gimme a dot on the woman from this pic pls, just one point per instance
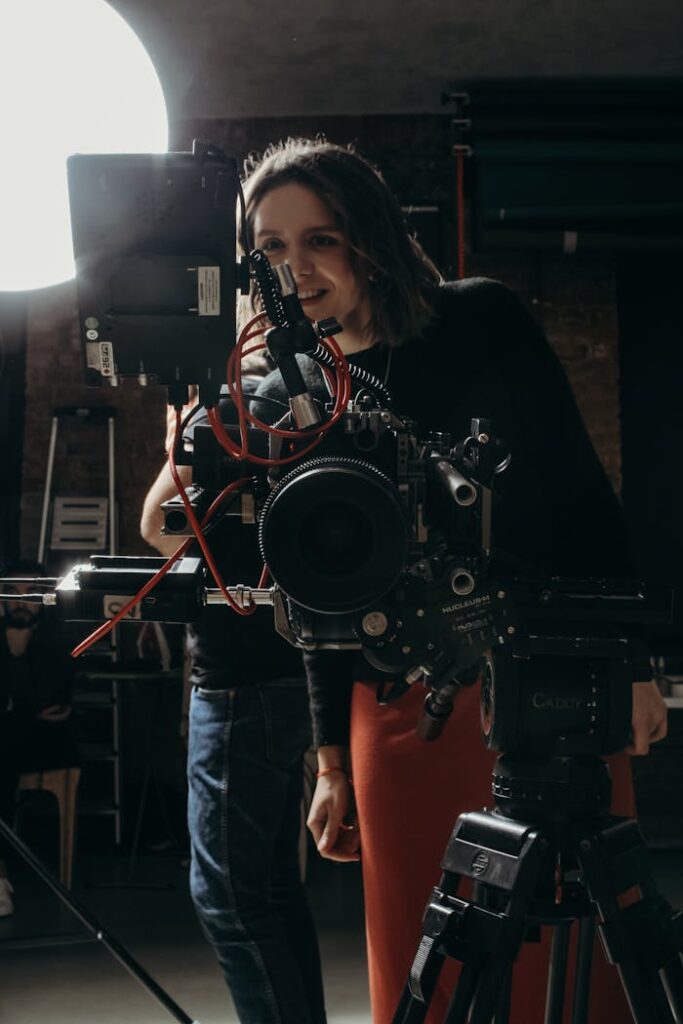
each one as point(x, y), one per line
point(447, 352)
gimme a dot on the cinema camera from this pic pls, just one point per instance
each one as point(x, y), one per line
point(373, 537)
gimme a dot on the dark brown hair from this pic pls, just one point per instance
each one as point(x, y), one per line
point(391, 267)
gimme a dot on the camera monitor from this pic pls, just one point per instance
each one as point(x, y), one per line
point(154, 244)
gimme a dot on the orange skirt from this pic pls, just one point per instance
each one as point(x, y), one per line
point(409, 794)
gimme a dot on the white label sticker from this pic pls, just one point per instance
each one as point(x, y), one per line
point(113, 603)
point(209, 291)
point(92, 356)
point(100, 356)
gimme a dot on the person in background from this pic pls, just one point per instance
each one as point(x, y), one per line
point(249, 729)
point(36, 681)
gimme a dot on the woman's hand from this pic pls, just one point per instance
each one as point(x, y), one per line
point(332, 819)
point(648, 721)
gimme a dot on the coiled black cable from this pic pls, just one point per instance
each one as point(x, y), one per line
point(269, 288)
point(271, 297)
point(364, 378)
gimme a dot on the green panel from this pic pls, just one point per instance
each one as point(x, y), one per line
point(610, 189)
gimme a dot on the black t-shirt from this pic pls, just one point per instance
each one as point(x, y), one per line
point(228, 649)
point(554, 508)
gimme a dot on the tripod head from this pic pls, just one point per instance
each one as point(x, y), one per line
point(558, 682)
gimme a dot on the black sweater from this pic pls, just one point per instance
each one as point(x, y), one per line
point(554, 507)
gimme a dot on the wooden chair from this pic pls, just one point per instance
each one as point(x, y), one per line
point(63, 784)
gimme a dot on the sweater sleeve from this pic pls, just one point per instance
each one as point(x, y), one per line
point(557, 505)
point(330, 677)
point(558, 510)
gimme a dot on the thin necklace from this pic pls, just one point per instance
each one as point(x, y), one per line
point(386, 372)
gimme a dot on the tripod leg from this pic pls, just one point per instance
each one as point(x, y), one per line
point(424, 974)
point(491, 992)
point(557, 973)
point(640, 939)
point(646, 996)
point(503, 1011)
point(408, 1009)
point(584, 964)
point(118, 951)
point(672, 979)
point(461, 1000)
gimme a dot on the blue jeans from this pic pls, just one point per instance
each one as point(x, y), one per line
point(245, 772)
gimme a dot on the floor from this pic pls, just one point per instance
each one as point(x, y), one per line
point(80, 982)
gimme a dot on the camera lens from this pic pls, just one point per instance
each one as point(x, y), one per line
point(333, 534)
point(336, 537)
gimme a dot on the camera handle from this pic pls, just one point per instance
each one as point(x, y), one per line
point(438, 703)
point(291, 332)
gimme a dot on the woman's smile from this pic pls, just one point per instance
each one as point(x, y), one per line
point(310, 295)
point(293, 223)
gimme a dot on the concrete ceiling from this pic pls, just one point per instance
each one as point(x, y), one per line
point(262, 58)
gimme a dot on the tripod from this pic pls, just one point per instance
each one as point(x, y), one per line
point(548, 854)
point(118, 951)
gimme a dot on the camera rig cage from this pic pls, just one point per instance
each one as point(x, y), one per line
point(371, 537)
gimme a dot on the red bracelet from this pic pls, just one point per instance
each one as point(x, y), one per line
point(327, 771)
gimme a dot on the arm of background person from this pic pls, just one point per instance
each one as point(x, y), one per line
point(152, 518)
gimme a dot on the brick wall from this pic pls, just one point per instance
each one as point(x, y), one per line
point(54, 378)
point(574, 300)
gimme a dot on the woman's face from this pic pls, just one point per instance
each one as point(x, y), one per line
point(293, 223)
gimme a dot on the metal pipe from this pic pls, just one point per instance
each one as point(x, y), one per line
point(48, 489)
point(243, 595)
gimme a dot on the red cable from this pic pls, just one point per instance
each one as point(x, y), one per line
point(234, 377)
point(107, 626)
point(234, 365)
point(234, 386)
point(341, 402)
point(197, 530)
